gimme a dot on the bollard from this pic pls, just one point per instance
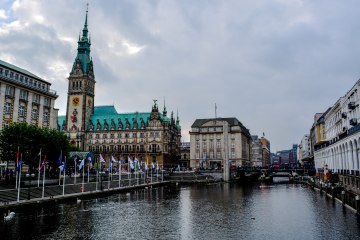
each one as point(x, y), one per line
point(343, 197)
point(332, 192)
point(357, 204)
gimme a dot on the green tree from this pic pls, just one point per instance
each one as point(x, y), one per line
point(29, 139)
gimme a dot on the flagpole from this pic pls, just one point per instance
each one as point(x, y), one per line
point(59, 177)
point(119, 173)
point(88, 173)
point(39, 169)
point(43, 188)
point(109, 175)
point(97, 175)
point(64, 177)
point(83, 167)
point(18, 197)
point(75, 170)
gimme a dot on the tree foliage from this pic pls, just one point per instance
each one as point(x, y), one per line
point(29, 139)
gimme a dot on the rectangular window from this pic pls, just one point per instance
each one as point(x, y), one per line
point(204, 145)
point(197, 155)
point(7, 108)
point(232, 154)
point(218, 154)
point(47, 102)
point(112, 136)
point(46, 117)
point(211, 144)
point(9, 91)
point(211, 155)
point(134, 135)
point(97, 136)
point(157, 134)
point(34, 113)
point(22, 111)
point(142, 135)
point(218, 144)
point(197, 145)
point(119, 135)
point(36, 98)
point(104, 136)
point(23, 95)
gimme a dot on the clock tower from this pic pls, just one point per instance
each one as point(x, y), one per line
point(81, 91)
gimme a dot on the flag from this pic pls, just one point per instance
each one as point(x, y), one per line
point(88, 158)
point(101, 158)
point(204, 156)
point(60, 158)
point(113, 159)
point(62, 167)
point(131, 163)
point(122, 160)
point(157, 166)
point(146, 166)
point(43, 163)
point(152, 165)
point(18, 164)
point(17, 156)
point(136, 161)
point(81, 164)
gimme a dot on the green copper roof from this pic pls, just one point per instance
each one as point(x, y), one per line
point(104, 110)
point(61, 120)
point(20, 70)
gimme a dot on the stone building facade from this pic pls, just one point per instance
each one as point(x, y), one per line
point(148, 136)
point(25, 97)
point(339, 151)
point(214, 140)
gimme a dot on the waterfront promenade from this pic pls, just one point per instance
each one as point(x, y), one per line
point(55, 190)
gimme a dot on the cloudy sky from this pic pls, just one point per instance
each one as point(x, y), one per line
point(272, 64)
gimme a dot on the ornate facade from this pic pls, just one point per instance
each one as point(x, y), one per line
point(148, 136)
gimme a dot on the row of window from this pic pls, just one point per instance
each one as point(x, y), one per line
point(22, 112)
point(24, 79)
point(126, 135)
point(125, 148)
point(211, 136)
point(211, 144)
point(24, 95)
point(212, 155)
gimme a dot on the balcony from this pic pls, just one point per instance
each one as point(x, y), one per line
point(353, 121)
point(351, 105)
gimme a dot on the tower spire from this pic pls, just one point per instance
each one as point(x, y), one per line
point(85, 29)
point(164, 111)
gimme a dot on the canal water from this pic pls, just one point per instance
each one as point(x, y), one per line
point(219, 211)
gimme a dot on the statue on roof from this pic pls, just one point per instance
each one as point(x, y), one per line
point(120, 125)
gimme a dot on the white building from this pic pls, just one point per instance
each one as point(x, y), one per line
point(304, 148)
point(340, 151)
point(215, 139)
point(25, 97)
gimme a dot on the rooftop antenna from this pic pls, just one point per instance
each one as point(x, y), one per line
point(215, 111)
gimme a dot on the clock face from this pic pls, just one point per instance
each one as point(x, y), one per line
point(75, 101)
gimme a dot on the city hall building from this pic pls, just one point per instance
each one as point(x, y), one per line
point(149, 136)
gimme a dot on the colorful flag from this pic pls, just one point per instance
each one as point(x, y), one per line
point(101, 158)
point(17, 156)
point(81, 164)
point(110, 165)
point(43, 163)
point(131, 163)
point(204, 156)
point(18, 164)
point(113, 159)
point(146, 166)
point(60, 158)
point(62, 167)
point(88, 158)
point(152, 165)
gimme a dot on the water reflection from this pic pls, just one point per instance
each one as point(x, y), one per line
point(220, 211)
